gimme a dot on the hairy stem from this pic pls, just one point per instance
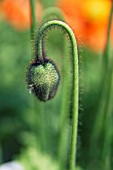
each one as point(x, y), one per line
point(56, 14)
point(63, 149)
point(40, 35)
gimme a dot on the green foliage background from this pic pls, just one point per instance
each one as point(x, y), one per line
point(24, 125)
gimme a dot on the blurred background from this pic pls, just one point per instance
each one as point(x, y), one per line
point(22, 127)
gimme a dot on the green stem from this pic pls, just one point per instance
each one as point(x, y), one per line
point(75, 86)
point(104, 76)
point(105, 90)
point(107, 46)
point(106, 150)
point(33, 19)
point(64, 119)
point(56, 14)
point(39, 108)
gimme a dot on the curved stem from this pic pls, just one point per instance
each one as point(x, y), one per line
point(51, 13)
point(74, 109)
point(56, 14)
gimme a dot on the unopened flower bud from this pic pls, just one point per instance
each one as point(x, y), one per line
point(43, 79)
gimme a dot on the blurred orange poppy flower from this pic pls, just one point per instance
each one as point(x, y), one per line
point(17, 12)
point(89, 20)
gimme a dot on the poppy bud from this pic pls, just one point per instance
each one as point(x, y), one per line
point(43, 79)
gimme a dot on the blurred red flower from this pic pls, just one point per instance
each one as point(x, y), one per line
point(89, 20)
point(17, 12)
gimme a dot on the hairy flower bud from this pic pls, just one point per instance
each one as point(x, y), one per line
point(43, 79)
